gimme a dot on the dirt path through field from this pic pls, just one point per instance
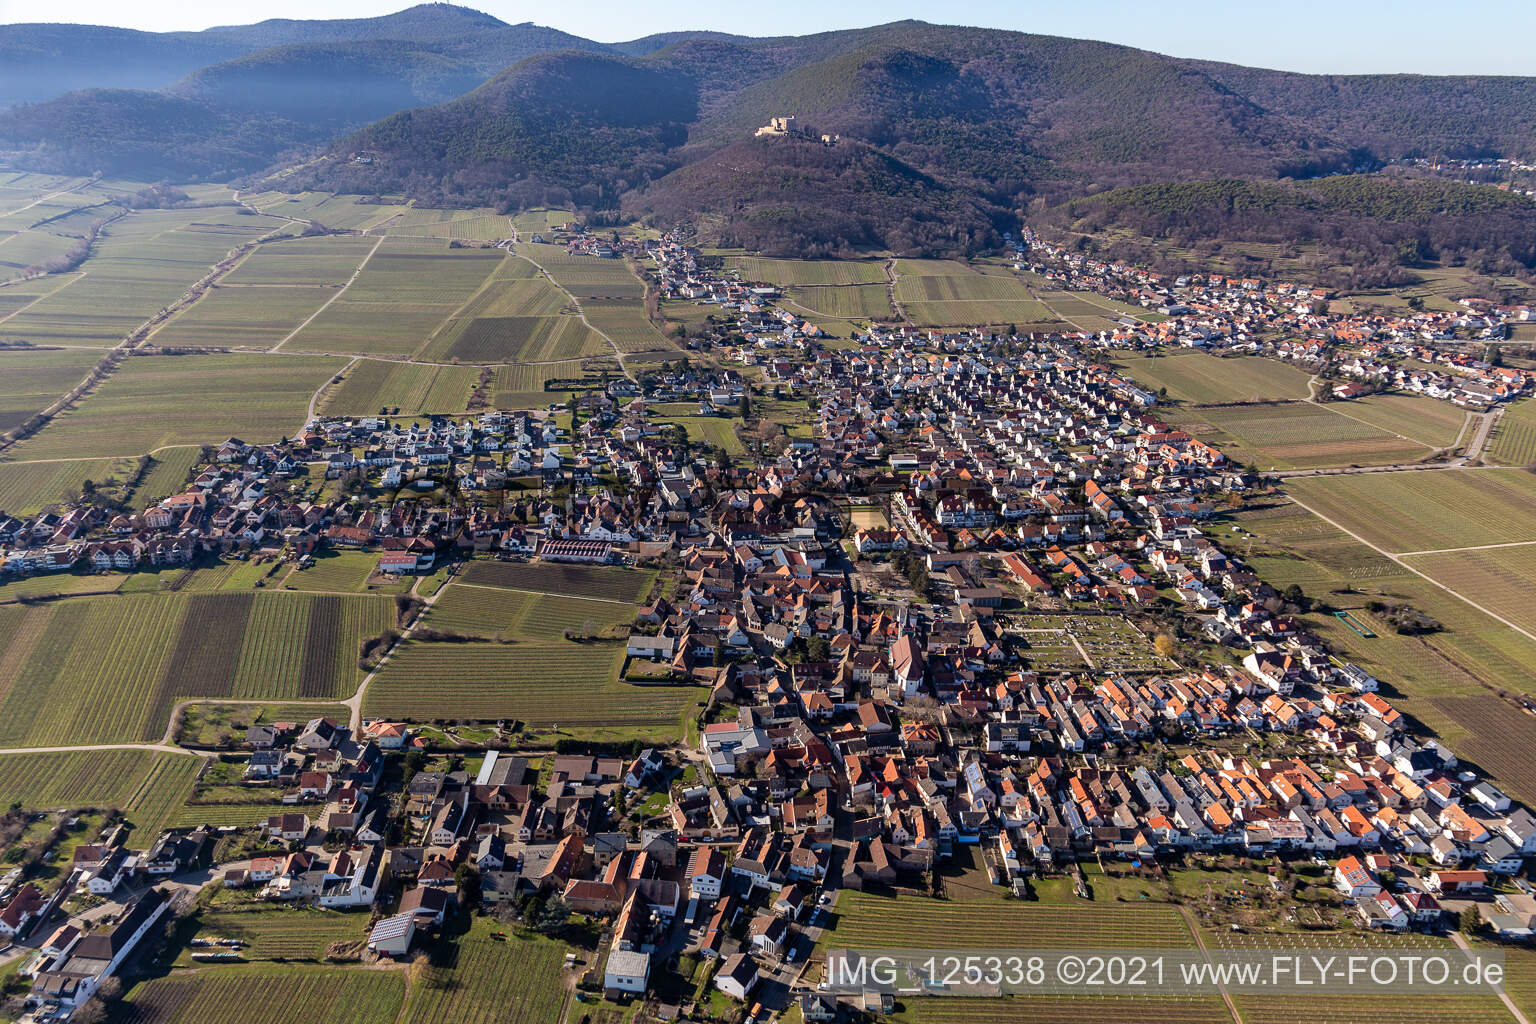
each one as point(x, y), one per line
point(46, 295)
point(1194, 929)
point(1509, 1004)
point(617, 351)
point(889, 266)
point(1422, 575)
point(354, 703)
point(327, 304)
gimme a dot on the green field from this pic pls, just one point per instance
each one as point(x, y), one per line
point(369, 385)
point(322, 262)
point(405, 293)
point(718, 430)
point(519, 316)
point(1425, 420)
point(1424, 511)
point(141, 264)
point(531, 222)
point(609, 294)
point(26, 487)
point(983, 920)
point(284, 995)
point(940, 294)
point(280, 934)
point(1503, 580)
point(1294, 435)
point(153, 401)
point(1154, 1009)
point(786, 273)
point(146, 786)
point(475, 979)
point(167, 474)
point(344, 572)
point(1513, 442)
point(1089, 311)
point(531, 672)
point(519, 615)
point(548, 682)
point(32, 380)
point(106, 669)
point(1443, 679)
point(865, 301)
point(1201, 379)
point(242, 316)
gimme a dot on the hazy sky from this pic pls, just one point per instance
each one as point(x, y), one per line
point(1341, 36)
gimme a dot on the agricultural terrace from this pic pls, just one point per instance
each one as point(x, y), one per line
point(520, 316)
point(786, 273)
point(405, 293)
point(325, 261)
point(522, 666)
point(31, 381)
point(140, 264)
point(286, 995)
point(345, 572)
point(153, 401)
point(281, 934)
point(475, 979)
point(844, 302)
point(609, 294)
point(1427, 511)
point(943, 293)
point(147, 786)
point(1295, 435)
point(405, 389)
point(1503, 579)
point(1499, 738)
point(1514, 437)
point(28, 487)
point(603, 582)
point(106, 669)
point(252, 319)
point(865, 920)
point(1201, 379)
point(546, 682)
point(1425, 420)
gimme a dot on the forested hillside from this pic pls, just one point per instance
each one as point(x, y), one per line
point(1375, 228)
point(975, 126)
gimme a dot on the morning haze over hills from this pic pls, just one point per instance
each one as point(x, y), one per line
point(947, 135)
